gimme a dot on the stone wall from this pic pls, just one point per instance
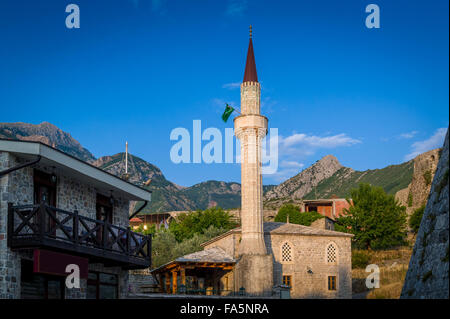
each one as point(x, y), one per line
point(416, 194)
point(428, 272)
point(254, 273)
point(229, 243)
point(17, 188)
point(309, 267)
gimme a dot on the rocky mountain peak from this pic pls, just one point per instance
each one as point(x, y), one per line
point(140, 171)
point(46, 133)
point(303, 182)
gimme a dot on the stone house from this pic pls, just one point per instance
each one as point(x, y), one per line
point(58, 211)
point(332, 208)
point(313, 262)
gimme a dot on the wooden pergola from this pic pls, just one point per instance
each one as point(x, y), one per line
point(175, 272)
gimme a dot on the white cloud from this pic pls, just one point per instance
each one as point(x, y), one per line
point(293, 164)
point(231, 86)
point(293, 149)
point(408, 135)
point(314, 141)
point(435, 141)
point(236, 7)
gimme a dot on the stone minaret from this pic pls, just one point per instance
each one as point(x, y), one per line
point(255, 266)
point(250, 128)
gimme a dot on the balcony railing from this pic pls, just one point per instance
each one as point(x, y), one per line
point(35, 226)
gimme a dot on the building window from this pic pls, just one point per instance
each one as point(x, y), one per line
point(287, 281)
point(102, 286)
point(331, 254)
point(286, 252)
point(331, 282)
point(39, 286)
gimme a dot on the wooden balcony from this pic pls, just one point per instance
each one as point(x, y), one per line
point(43, 226)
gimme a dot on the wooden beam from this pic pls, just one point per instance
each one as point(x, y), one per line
point(183, 276)
point(161, 283)
point(167, 283)
point(174, 282)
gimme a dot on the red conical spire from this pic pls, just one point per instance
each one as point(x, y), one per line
point(250, 67)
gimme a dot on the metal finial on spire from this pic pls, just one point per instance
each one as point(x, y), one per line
point(250, 66)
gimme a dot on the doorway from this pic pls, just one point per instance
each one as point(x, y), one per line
point(45, 193)
point(104, 209)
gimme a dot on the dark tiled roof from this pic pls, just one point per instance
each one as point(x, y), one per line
point(250, 67)
point(286, 229)
point(215, 254)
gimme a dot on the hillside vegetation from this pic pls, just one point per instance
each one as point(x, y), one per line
point(391, 178)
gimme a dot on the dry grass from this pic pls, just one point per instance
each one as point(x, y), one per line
point(392, 291)
point(393, 266)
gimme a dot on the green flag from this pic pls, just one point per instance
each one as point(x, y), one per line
point(226, 114)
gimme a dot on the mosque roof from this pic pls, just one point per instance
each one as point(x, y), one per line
point(213, 257)
point(276, 228)
point(215, 254)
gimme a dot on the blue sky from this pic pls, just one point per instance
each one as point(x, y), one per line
point(137, 69)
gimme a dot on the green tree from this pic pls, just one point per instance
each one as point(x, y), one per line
point(150, 230)
point(163, 243)
point(295, 216)
point(416, 218)
point(192, 223)
point(165, 247)
point(376, 219)
point(192, 245)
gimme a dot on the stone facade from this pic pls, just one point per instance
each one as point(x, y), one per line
point(17, 188)
point(308, 265)
point(428, 271)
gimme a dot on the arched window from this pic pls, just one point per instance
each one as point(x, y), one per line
point(332, 253)
point(286, 252)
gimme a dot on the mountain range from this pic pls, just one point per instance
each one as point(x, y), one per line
point(324, 179)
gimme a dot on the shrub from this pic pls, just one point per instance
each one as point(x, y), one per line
point(189, 224)
point(166, 248)
point(295, 216)
point(427, 177)
point(416, 218)
point(360, 259)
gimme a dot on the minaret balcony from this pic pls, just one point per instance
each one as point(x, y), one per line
point(251, 121)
